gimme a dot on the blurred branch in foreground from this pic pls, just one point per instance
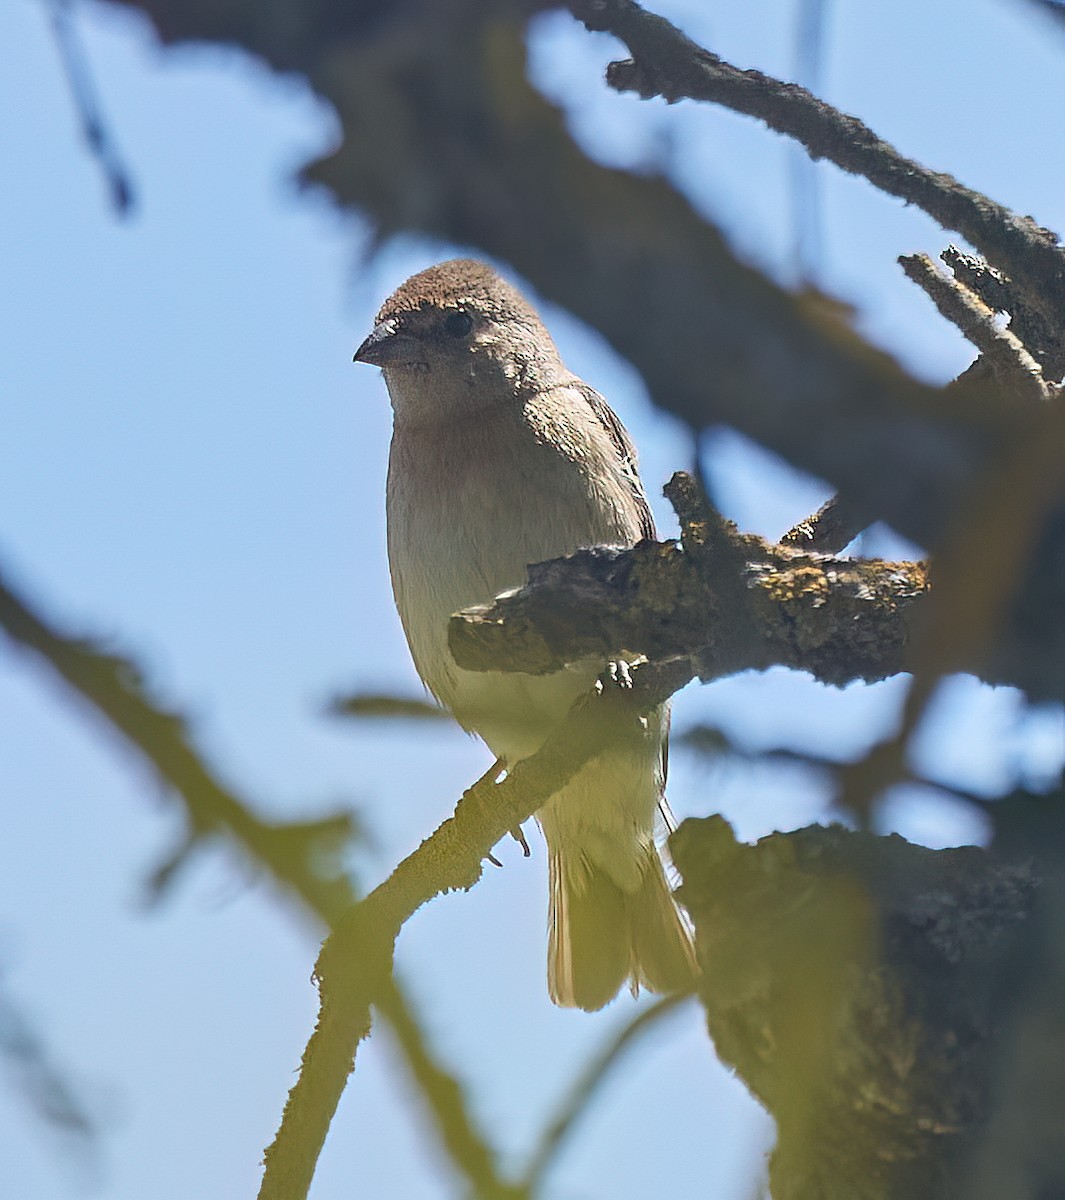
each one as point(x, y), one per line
point(713, 745)
point(587, 1085)
point(44, 1085)
point(379, 704)
point(302, 857)
point(862, 988)
point(114, 688)
point(293, 854)
point(1055, 9)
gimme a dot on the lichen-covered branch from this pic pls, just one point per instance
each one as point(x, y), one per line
point(838, 619)
point(829, 530)
point(859, 986)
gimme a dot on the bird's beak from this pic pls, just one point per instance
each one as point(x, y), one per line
point(386, 345)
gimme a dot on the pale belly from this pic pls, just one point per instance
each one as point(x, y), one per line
point(461, 538)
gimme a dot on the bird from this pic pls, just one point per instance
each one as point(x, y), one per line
point(502, 457)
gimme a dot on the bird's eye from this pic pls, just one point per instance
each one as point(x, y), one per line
point(458, 324)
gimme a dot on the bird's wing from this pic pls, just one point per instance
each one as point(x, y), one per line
point(626, 452)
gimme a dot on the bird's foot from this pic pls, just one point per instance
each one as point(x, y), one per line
point(617, 674)
point(492, 774)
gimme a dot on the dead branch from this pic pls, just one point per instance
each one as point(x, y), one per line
point(829, 530)
point(838, 619)
point(668, 64)
point(1017, 371)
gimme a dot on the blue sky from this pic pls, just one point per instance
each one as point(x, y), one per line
point(191, 467)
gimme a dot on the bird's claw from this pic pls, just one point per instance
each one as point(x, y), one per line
point(618, 674)
point(492, 774)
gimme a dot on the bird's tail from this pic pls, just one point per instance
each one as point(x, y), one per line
point(601, 936)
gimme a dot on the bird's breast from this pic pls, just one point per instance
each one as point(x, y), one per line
point(470, 505)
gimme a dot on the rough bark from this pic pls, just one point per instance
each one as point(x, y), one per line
point(861, 987)
point(728, 601)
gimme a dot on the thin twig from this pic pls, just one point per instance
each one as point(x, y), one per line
point(829, 530)
point(1044, 340)
point(714, 744)
point(93, 127)
point(447, 1103)
point(1016, 370)
point(980, 277)
point(42, 1082)
point(667, 63)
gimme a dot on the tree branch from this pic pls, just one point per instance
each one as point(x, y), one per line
point(858, 985)
point(587, 1085)
point(44, 1083)
point(668, 64)
point(1016, 369)
point(838, 619)
point(356, 959)
point(830, 530)
point(1040, 336)
point(293, 854)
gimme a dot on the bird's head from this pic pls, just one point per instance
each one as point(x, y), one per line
point(457, 338)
